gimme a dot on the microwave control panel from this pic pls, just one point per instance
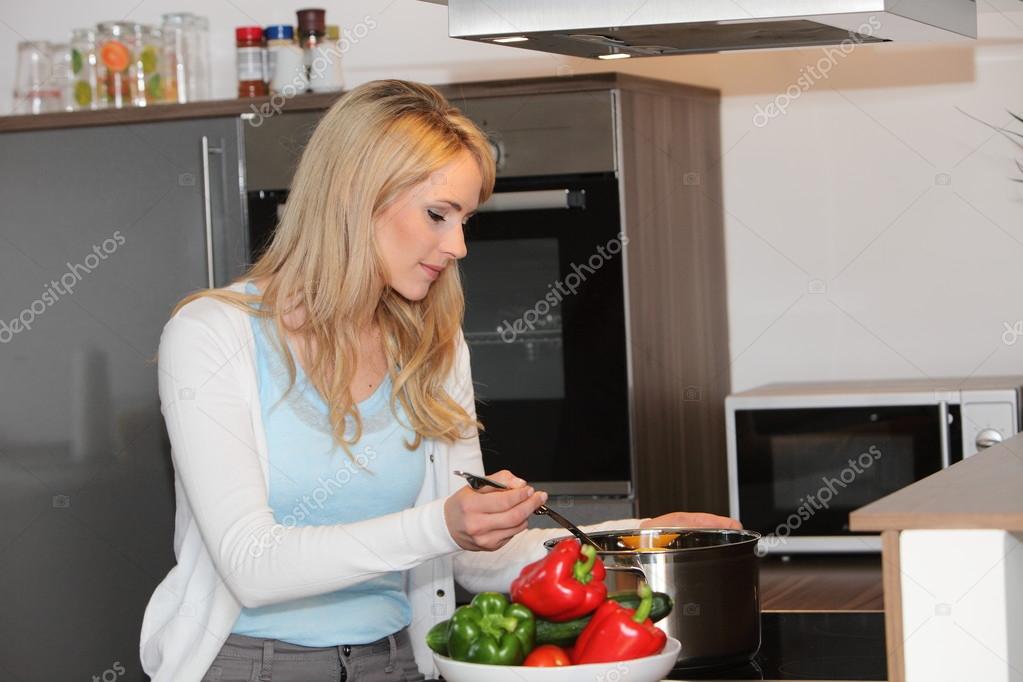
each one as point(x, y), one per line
point(988, 420)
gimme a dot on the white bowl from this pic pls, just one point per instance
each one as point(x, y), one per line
point(647, 669)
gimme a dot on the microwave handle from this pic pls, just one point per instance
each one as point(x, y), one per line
point(946, 460)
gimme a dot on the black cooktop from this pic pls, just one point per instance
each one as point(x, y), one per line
point(811, 645)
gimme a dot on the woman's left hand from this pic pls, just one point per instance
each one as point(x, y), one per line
point(691, 520)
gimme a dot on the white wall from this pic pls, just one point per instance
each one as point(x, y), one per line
point(872, 188)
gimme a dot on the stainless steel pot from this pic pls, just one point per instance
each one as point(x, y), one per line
point(710, 574)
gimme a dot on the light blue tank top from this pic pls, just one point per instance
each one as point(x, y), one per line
point(313, 483)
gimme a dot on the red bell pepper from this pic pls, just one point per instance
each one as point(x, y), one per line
point(566, 584)
point(616, 633)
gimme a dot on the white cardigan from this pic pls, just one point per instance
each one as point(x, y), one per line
point(232, 553)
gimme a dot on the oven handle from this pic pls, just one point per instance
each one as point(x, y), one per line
point(535, 200)
point(946, 460)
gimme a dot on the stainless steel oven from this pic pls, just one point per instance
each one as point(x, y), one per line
point(544, 283)
point(802, 456)
point(545, 324)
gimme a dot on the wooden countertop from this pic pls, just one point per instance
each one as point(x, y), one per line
point(317, 102)
point(982, 491)
point(821, 583)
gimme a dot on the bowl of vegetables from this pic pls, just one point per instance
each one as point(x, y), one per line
point(557, 624)
point(647, 669)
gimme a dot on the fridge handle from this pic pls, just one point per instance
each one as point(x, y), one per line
point(943, 425)
point(207, 200)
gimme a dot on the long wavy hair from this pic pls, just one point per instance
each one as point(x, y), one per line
point(374, 143)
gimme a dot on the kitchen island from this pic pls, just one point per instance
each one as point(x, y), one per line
point(953, 572)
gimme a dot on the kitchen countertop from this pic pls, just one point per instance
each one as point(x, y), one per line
point(978, 501)
point(811, 646)
point(982, 491)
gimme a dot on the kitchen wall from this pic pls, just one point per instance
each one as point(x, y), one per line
point(873, 228)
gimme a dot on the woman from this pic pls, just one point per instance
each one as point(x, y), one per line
point(316, 410)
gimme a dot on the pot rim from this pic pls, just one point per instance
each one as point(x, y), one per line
point(752, 537)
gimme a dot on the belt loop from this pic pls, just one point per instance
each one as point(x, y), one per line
point(393, 655)
point(266, 670)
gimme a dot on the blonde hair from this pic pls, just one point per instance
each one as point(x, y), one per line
point(380, 139)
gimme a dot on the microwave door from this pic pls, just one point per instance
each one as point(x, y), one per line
point(801, 471)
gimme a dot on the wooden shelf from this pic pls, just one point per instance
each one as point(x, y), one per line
point(318, 102)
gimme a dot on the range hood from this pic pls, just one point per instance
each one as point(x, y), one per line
point(612, 29)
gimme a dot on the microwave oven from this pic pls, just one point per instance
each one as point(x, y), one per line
point(801, 456)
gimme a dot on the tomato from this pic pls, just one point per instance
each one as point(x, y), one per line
point(547, 656)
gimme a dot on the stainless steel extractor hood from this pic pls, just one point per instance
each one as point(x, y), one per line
point(611, 29)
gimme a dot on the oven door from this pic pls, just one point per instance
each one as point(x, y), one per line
point(799, 472)
point(545, 324)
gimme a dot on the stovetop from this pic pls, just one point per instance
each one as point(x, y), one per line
point(811, 645)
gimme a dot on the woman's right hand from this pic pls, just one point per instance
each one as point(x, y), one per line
point(487, 518)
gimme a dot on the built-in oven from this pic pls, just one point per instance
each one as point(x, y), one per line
point(801, 457)
point(545, 324)
point(544, 283)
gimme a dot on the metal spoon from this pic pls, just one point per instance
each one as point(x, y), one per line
point(477, 482)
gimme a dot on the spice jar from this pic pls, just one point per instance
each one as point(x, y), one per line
point(277, 37)
point(249, 51)
point(311, 31)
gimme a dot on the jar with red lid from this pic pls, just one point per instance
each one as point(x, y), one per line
point(250, 60)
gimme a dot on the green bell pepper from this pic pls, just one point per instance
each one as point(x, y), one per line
point(491, 630)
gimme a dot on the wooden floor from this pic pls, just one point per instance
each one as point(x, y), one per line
point(805, 583)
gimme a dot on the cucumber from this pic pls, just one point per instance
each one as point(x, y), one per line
point(437, 638)
point(562, 634)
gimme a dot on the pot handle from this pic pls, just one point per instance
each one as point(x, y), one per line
point(633, 566)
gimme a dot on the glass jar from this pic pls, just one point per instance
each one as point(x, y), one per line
point(85, 93)
point(34, 91)
point(277, 36)
point(118, 45)
point(180, 57)
point(148, 65)
point(250, 61)
point(61, 75)
point(203, 80)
